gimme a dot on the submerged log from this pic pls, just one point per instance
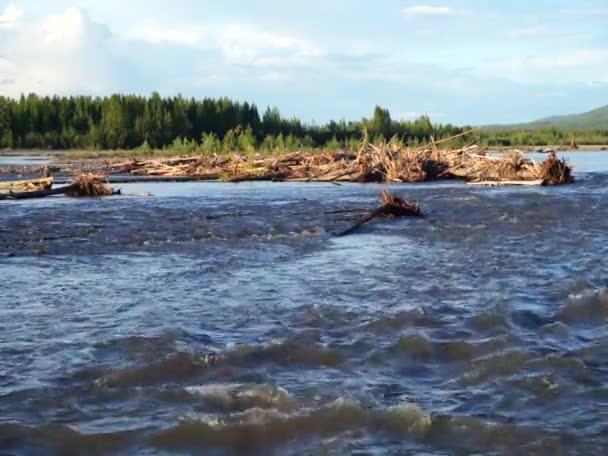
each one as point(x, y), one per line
point(162, 179)
point(133, 179)
point(530, 183)
point(273, 177)
point(392, 206)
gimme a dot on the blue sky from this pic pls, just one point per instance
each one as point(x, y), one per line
point(473, 62)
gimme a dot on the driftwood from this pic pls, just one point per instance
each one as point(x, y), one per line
point(27, 185)
point(90, 185)
point(84, 185)
point(274, 177)
point(392, 206)
point(388, 162)
point(555, 171)
point(531, 183)
point(151, 179)
point(39, 193)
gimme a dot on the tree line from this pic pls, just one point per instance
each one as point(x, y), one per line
point(130, 121)
point(216, 125)
point(547, 136)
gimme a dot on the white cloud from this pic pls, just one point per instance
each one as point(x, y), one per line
point(6, 65)
point(578, 66)
point(63, 53)
point(427, 10)
point(9, 17)
point(238, 44)
point(455, 84)
point(537, 32)
point(160, 35)
point(247, 45)
point(275, 76)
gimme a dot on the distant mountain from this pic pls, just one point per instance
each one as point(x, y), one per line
point(596, 119)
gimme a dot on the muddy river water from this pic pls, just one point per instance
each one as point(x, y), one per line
point(225, 318)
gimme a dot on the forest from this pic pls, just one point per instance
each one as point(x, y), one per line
point(188, 125)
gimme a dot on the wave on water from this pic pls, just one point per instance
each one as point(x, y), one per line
point(269, 431)
point(181, 366)
point(238, 397)
point(588, 306)
point(178, 367)
point(225, 321)
point(257, 428)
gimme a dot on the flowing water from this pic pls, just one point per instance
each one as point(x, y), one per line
point(222, 319)
point(24, 160)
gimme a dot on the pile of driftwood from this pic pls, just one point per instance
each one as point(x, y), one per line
point(85, 185)
point(386, 163)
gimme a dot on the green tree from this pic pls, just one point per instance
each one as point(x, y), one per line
point(381, 123)
point(230, 141)
point(246, 142)
point(113, 124)
point(6, 134)
point(210, 144)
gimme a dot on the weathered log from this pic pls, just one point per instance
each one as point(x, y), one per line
point(27, 185)
point(530, 183)
point(157, 179)
point(392, 206)
point(369, 217)
point(40, 193)
point(83, 186)
point(273, 177)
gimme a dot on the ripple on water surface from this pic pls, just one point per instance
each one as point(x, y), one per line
point(226, 319)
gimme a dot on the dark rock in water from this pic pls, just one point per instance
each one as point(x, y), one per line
point(527, 319)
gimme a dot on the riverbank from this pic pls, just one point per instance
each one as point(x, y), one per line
point(547, 148)
point(76, 155)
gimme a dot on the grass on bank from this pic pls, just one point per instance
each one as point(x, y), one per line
point(243, 141)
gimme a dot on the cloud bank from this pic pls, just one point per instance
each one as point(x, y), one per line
point(63, 53)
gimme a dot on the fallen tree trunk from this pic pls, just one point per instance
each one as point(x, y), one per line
point(83, 186)
point(134, 179)
point(368, 218)
point(520, 183)
point(392, 206)
point(40, 193)
point(273, 177)
point(27, 185)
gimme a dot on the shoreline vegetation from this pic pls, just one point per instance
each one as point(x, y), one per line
point(388, 162)
point(379, 164)
point(137, 126)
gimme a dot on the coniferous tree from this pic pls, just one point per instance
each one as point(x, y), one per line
point(129, 121)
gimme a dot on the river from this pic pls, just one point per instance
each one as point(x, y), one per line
point(224, 318)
